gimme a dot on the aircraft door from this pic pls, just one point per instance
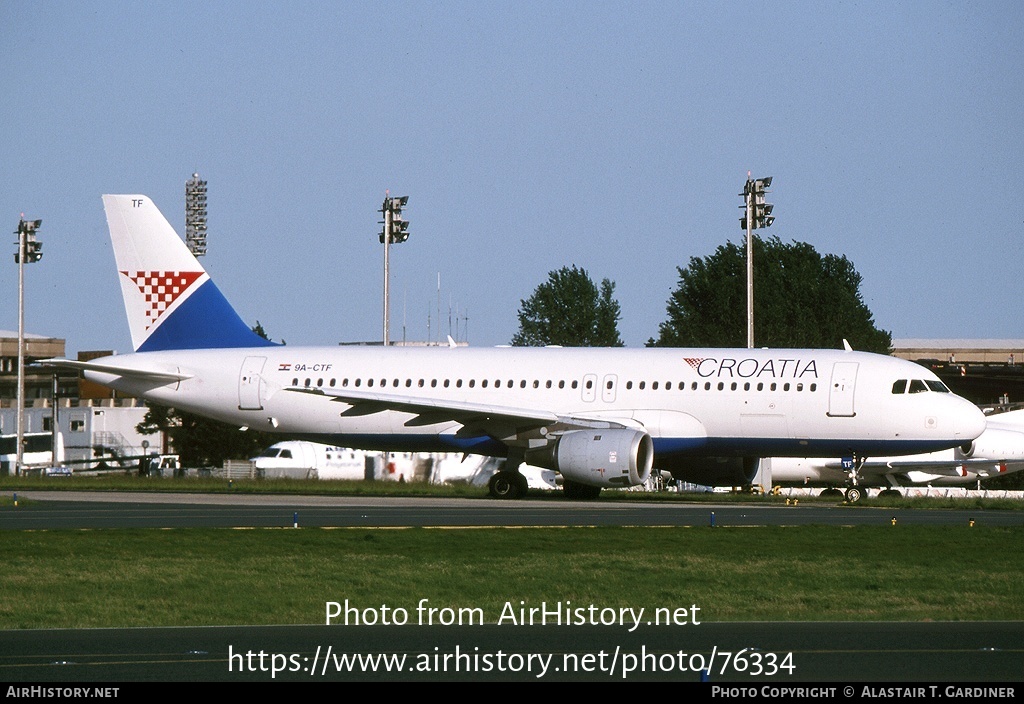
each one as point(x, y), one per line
point(840, 393)
point(251, 384)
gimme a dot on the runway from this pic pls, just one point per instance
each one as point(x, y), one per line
point(60, 510)
point(762, 653)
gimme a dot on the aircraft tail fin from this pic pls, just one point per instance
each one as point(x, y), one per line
point(170, 300)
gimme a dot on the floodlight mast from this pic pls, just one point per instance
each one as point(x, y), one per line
point(758, 215)
point(29, 250)
point(195, 215)
point(395, 231)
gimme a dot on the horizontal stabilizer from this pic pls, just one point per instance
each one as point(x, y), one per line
point(131, 372)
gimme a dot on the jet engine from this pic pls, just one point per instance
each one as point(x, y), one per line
point(715, 471)
point(600, 458)
point(996, 443)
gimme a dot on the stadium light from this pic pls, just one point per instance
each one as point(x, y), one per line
point(395, 231)
point(758, 216)
point(29, 250)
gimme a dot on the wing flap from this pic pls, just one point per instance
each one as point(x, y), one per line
point(427, 411)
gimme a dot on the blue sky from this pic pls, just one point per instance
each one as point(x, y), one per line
point(528, 136)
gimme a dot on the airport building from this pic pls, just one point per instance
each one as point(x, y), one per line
point(94, 423)
point(988, 372)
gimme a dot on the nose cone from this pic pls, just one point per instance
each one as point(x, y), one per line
point(970, 421)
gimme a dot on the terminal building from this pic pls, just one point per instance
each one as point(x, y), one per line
point(988, 372)
point(93, 422)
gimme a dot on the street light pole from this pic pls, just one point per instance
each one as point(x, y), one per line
point(758, 215)
point(28, 249)
point(396, 230)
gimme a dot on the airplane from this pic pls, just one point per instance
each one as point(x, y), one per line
point(602, 417)
point(998, 450)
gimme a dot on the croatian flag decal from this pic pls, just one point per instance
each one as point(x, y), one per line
point(161, 289)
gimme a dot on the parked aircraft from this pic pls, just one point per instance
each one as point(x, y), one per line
point(600, 417)
point(998, 450)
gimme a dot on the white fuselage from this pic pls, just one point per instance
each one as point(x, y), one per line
point(692, 402)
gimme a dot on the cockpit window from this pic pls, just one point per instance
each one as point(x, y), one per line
point(937, 386)
point(900, 387)
point(917, 386)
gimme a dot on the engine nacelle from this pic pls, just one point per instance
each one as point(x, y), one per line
point(604, 458)
point(715, 471)
point(995, 443)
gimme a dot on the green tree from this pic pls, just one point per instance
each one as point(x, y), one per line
point(801, 299)
point(570, 310)
point(201, 442)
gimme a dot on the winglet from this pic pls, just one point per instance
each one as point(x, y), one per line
point(170, 300)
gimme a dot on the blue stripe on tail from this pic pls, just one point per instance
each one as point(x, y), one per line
point(203, 321)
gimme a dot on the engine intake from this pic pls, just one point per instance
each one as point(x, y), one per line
point(604, 458)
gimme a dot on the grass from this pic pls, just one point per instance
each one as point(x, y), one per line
point(116, 578)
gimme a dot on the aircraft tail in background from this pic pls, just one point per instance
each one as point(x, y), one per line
point(170, 300)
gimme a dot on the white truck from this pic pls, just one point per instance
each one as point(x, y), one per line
point(298, 459)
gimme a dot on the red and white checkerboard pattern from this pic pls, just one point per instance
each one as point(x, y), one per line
point(693, 361)
point(161, 289)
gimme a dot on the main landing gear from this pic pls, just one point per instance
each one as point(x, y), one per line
point(507, 484)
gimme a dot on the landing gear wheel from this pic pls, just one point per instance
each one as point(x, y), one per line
point(831, 492)
point(855, 494)
point(575, 490)
point(507, 485)
point(890, 493)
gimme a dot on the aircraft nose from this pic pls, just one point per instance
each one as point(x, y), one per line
point(970, 421)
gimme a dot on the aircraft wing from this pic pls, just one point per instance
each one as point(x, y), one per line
point(947, 468)
point(130, 372)
point(491, 419)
